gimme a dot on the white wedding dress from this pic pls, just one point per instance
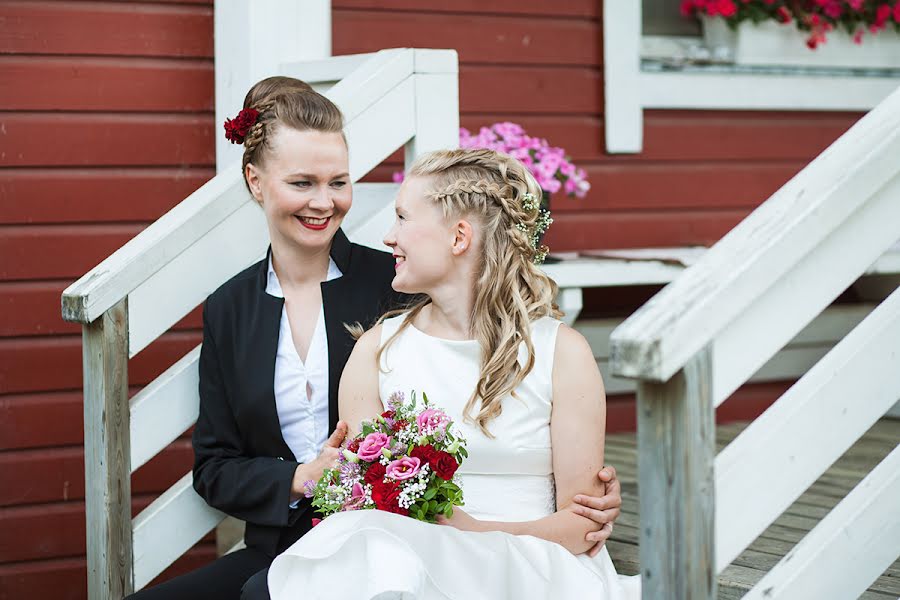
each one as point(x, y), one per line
point(373, 554)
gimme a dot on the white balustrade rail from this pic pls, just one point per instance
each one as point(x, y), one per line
point(400, 98)
point(705, 334)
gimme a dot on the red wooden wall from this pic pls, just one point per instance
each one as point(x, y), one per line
point(106, 121)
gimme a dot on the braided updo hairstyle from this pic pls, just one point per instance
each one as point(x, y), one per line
point(285, 102)
point(489, 188)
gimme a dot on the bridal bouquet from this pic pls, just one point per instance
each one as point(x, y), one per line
point(403, 462)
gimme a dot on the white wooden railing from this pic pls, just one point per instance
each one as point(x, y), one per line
point(391, 99)
point(705, 334)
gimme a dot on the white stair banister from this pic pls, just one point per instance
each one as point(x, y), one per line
point(848, 549)
point(735, 273)
point(182, 257)
point(375, 129)
point(732, 310)
point(810, 426)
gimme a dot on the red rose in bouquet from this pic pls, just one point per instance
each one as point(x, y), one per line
point(444, 465)
point(387, 497)
point(375, 474)
point(424, 453)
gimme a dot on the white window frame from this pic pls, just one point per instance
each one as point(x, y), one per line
point(629, 88)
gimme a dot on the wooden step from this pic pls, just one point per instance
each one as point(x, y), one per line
point(776, 541)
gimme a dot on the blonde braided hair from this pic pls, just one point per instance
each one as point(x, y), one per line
point(510, 291)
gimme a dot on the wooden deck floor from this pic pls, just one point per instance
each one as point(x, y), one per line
point(784, 533)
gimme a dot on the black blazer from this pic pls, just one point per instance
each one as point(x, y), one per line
point(242, 465)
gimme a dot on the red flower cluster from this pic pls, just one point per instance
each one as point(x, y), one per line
point(385, 495)
point(442, 463)
point(713, 8)
point(236, 129)
point(816, 17)
point(375, 474)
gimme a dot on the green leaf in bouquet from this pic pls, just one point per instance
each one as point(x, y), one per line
point(464, 452)
point(448, 511)
point(430, 493)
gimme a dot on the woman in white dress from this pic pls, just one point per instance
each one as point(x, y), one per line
point(524, 389)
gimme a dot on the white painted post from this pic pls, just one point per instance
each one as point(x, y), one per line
point(676, 452)
point(437, 104)
point(623, 115)
point(107, 454)
point(252, 40)
point(570, 301)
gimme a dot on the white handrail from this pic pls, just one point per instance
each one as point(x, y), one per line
point(811, 425)
point(661, 337)
point(854, 543)
point(706, 333)
point(378, 99)
point(389, 100)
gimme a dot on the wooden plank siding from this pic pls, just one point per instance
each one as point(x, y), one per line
point(540, 65)
point(106, 122)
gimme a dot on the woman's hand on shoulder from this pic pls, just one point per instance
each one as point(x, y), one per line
point(603, 510)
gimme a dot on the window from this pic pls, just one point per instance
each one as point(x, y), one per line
point(663, 17)
point(655, 58)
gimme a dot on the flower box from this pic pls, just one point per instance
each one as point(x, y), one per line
point(772, 43)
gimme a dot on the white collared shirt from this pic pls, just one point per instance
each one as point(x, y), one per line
point(301, 388)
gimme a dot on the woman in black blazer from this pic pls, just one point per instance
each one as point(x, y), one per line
point(296, 166)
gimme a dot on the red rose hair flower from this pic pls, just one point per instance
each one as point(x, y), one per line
point(236, 129)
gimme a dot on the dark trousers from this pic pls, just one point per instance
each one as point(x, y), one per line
point(228, 577)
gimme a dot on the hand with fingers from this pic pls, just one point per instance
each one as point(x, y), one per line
point(325, 460)
point(603, 511)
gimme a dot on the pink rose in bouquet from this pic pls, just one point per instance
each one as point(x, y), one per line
point(431, 420)
point(403, 468)
point(370, 448)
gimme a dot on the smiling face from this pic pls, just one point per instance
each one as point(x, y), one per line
point(421, 239)
point(303, 186)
